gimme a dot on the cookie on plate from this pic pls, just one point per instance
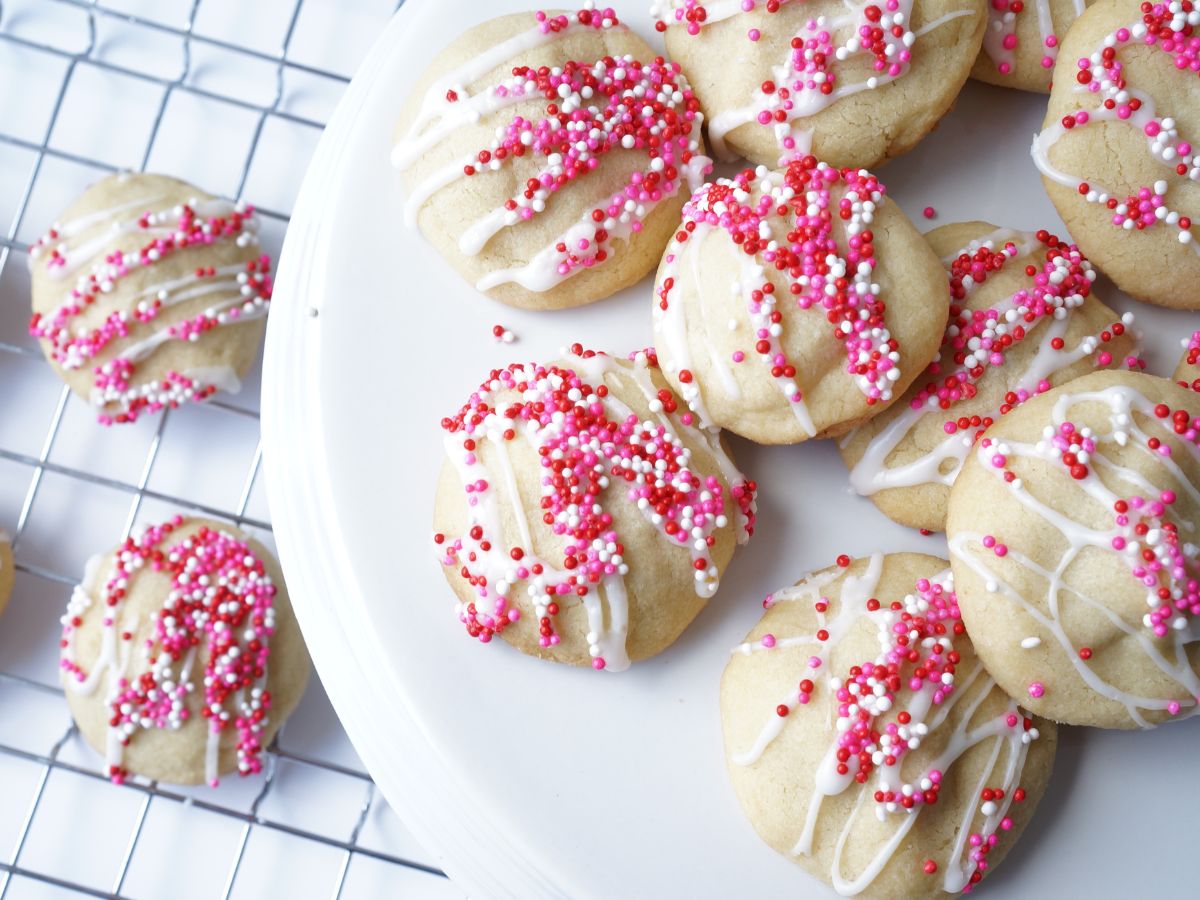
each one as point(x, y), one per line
point(581, 513)
point(7, 572)
point(1187, 373)
point(1072, 530)
point(1116, 149)
point(546, 156)
point(149, 293)
point(854, 83)
point(1022, 39)
point(1023, 318)
point(866, 741)
point(796, 303)
point(181, 657)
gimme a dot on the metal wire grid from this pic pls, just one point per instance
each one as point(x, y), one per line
point(139, 490)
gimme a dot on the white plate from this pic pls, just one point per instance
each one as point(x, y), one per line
point(532, 780)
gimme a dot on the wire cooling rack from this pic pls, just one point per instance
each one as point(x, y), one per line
point(232, 96)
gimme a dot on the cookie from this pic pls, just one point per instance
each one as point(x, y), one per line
point(853, 83)
point(7, 572)
point(181, 657)
point(1071, 530)
point(581, 513)
point(1187, 373)
point(546, 157)
point(1020, 45)
point(149, 293)
point(866, 741)
point(1115, 150)
point(1023, 318)
point(797, 303)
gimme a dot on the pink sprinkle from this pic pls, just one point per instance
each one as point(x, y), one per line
point(929, 212)
point(1036, 690)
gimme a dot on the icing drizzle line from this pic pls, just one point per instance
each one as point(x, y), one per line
point(592, 109)
point(244, 295)
point(1144, 533)
point(221, 606)
point(807, 81)
point(977, 343)
point(588, 441)
point(886, 708)
point(1170, 28)
point(821, 275)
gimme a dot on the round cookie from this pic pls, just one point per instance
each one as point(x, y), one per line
point(1070, 533)
point(917, 791)
point(797, 303)
point(7, 572)
point(149, 293)
point(1187, 373)
point(1115, 150)
point(1021, 42)
point(854, 83)
point(1022, 319)
point(183, 618)
point(581, 514)
point(546, 156)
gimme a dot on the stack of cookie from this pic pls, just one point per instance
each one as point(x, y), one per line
point(890, 722)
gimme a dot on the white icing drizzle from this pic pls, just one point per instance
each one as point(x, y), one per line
point(969, 549)
point(928, 715)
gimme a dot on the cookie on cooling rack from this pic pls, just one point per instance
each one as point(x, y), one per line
point(149, 293)
point(854, 83)
point(1022, 39)
point(7, 572)
point(546, 156)
point(181, 657)
point(796, 303)
point(1023, 318)
point(866, 742)
point(581, 513)
point(1071, 532)
point(1117, 153)
point(1187, 373)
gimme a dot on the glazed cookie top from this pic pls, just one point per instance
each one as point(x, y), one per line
point(178, 624)
point(130, 284)
point(599, 460)
point(536, 147)
point(833, 302)
point(854, 82)
point(866, 741)
point(1071, 532)
point(1115, 150)
point(1187, 373)
point(1022, 319)
point(1021, 43)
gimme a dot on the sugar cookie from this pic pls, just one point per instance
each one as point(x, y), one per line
point(149, 293)
point(1023, 318)
point(1022, 39)
point(867, 743)
point(581, 514)
point(1071, 530)
point(7, 572)
point(1115, 150)
point(854, 83)
point(796, 303)
point(546, 156)
point(181, 657)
